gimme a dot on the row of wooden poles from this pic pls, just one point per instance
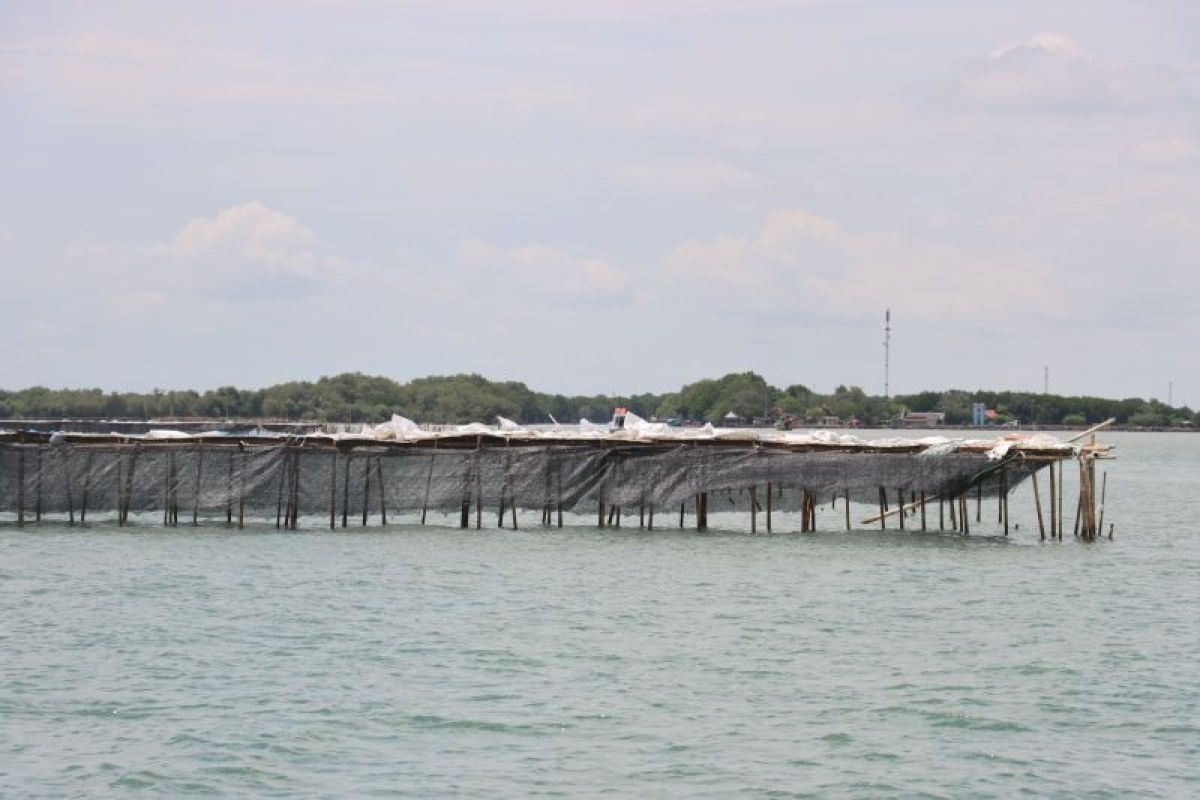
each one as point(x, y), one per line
point(1089, 517)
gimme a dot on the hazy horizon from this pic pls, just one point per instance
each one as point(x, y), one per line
point(616, 198)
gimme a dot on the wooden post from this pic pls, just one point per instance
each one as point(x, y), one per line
point(382, 493)
point(346, 488)
point(129, 481)
point(37, 509)
point(196, 486)
point(965, 516)
point(979, 501)
point(650, 520)
point(682, 508)
point(478, 483)
point(953, 514)
point(641, 516)
point(87, 485)
point(284, 468)
point(770, 492)
point(1053, 504)
point(333, 489)
point(941, 513)
point(242, 492)
point(166, 495)
point(296, 488)
point(1103, 492)
point(1004, 498)
point(1037, 502)
point(558, 479)
point(754, 509)
point(882, 508)
point(702, 513)
point(847, 509)
point(229, 493)
point(1061, 500)
point(21, 487)
point(600, 513)
point(428, 482)
point(900, 505)
point(66, 461)
point(366, 489)
point(923, 529)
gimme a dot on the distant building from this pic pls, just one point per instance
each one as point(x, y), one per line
point(923, 419)
point(978, 413)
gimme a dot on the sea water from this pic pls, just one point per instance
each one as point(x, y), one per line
point(415, 661)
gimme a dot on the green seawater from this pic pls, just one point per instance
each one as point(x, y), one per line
point(432, 662)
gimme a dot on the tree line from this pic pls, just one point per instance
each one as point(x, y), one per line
point(354, 397)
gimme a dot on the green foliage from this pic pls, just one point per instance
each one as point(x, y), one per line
point(354, 397)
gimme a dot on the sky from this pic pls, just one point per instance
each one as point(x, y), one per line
point(617, 196)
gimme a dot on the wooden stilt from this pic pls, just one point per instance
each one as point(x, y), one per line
point(242, 491)
point(900, 504)
point(979, 501)
point(284, 480)
point(682, 508)
point(847, 509)
point(87, 485)
point(650, 519)
point(1103, 492)
point(1004, 499)
point(753, 509)
point(953, 502)
point(428, 482)
point(21, 487)
point(37, 509)
point(346, 488)
point(923, 529)
point(1061, 501)
point(882, 508)
point(333, 490)
point(366, 509)
point(641, 516)
point(196, 487)
point(941, 513)
point(1054, 505)
point(1037, 503)
point(478, 483)
point(702, 512)
point(770, 503)
point(382, 493)
point(66, 462)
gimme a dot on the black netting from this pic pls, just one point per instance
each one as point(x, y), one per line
point(232, 482)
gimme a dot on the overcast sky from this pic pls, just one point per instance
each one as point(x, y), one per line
point(616, 195)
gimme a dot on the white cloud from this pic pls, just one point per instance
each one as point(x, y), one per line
point(248, 251)
point(1170, 151)
point(801, 264)
point(683, 177)
point(1047, 71)
point(547, 271)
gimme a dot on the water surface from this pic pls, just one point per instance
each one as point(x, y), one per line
point(428, 662)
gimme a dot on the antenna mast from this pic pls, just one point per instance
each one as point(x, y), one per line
point(887, 353)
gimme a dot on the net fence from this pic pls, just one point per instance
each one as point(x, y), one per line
point(230, 482)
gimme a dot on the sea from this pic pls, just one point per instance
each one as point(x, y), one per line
point(428, 662)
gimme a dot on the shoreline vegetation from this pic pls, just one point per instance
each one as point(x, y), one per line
point(738, 398)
